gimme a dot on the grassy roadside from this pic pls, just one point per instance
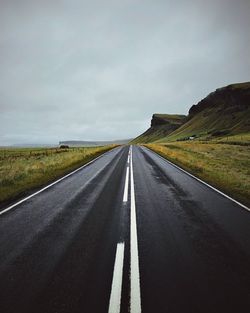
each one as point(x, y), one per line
point(22, 170)
point(225, 166)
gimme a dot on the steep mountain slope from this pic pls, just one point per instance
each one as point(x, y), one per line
point(161, 126)
point(223, 112)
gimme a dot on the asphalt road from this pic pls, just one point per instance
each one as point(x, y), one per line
point(128, 233)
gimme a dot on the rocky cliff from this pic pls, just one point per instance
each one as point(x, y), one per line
point(229, 99)
point(224, 112)
point(161, 126)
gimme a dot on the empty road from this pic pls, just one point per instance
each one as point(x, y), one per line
point(129, 232)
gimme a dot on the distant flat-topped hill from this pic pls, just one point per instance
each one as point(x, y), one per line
point(161, 126)
point(81, 143)
point(224, 112)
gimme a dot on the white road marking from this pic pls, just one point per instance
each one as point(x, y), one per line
point(135, 293)
point(125, 195)
point(50, 185)
point(116, 290)
point(201, 181)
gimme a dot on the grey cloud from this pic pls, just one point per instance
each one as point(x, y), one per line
point(99, 69)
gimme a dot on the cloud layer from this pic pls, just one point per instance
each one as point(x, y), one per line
point(98, 70)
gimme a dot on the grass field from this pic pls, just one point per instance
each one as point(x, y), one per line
point(225, 166)
point(240, 139)
point(25, 169)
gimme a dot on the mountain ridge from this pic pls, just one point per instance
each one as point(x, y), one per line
point(224, 112)
point(161, 125)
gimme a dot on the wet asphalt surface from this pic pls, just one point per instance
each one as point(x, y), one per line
point(57, 249)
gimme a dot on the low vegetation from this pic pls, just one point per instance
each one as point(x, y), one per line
point(24, 169)
point(225, 165)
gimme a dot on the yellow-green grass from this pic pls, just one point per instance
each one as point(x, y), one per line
point(224, 166)
point(22, 170)
point(240, 139)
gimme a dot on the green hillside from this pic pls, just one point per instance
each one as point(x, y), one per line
point(225, 112)
point(161, 126)
point(212, 142)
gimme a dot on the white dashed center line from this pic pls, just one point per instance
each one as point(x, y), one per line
point(135, 293)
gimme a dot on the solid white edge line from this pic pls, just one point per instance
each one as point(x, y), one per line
point(201, 181)
point(52, 184)
point(135, 294)
point(116, 289)
point(125, 195)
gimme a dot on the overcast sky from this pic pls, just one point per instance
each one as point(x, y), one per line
point(98, 70)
